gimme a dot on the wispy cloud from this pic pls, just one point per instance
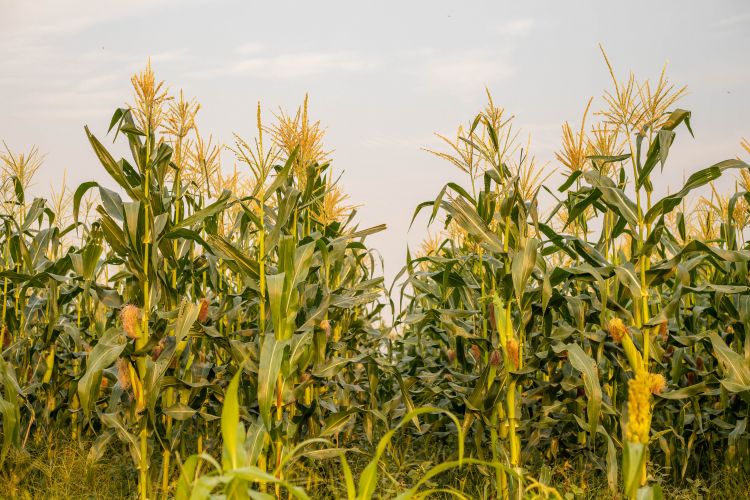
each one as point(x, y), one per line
point(168, 56)
point(249, 48)
point(732, 21)
point(517, 27)
point(289, 65)
point(48, 77)
point(467, 71)
point(50, 18)
point(459, 72)
point(391, 140)
point(294, 65)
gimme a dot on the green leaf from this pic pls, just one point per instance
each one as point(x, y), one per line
point(408, 402)
point(186, 317)
point(590, 374)
point(360, 233)
point(187, 478)
point(467, 217)
point(18, 189)
point(269, 369)
point(114, 421)
point(736, 371)
point(570, 180)
point(701, 388)
point(275, 286)
point(112, 167)
point(523, 265)
point(609, 159)
point(633, 456)
point(351, 490)
point(331, 368)
point(133, 222)
point(369, 477)
point(612, 468)
point(230, 421)
point(226, 249)
point(281, 176)
point(99, 447)
point(676, 117)
point(104, 353)
point(80, 191)
point(179, 411)
point(614, 197)
point(9, 409)
point(698, 179)
point(209, 211)
point(188, 234)
point(659, 148)
point(255, 442)
point(335, 422)
point(626, 274)
point(650, 492)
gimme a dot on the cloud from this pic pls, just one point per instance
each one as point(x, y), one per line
point(51, 18)
point(46, 72)
point(468, 71)
point(168, 56)
point(295, 65)
point(387, 140)
point(732, 21)
point(516, 28)
point(47, 80)
point(464, 71)
point(289, 65)
point(249, 48)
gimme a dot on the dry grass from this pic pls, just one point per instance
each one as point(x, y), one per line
point(54, 467)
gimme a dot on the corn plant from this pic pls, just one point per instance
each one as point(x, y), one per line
point(227, 327)
point(553, 342)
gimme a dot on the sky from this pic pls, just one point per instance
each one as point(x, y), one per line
point(383, 77)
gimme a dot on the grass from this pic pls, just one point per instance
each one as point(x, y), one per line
point(54, 467)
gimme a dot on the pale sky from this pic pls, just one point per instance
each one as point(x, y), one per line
point(382, 77)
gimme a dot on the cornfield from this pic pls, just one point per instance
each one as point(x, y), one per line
point(228, 333)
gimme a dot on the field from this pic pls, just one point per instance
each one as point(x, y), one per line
point(195, 332)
